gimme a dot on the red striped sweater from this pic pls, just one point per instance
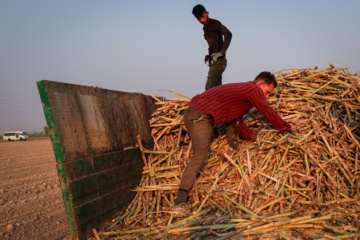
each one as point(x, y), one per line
point(228, 102)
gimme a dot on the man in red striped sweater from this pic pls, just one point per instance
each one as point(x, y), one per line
point(224, 104)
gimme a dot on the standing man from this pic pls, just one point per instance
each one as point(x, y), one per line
point(213, 33)
point(223, 104)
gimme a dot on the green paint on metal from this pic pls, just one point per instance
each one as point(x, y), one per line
point(50, 120)
point(107, 186)
point(59, 156)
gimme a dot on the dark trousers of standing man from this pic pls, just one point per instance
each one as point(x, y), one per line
point(215, 73)
point(200, 131)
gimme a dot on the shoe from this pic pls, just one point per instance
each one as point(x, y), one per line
point(181, 209)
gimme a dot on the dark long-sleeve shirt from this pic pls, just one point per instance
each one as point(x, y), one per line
point(213, 33)
point(228, 102)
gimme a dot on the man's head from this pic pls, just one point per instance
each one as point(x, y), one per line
point(201, 14)
point(267, 82)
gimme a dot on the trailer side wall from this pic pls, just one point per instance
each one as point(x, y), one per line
point(94, 133)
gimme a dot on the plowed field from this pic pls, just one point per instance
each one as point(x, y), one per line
point(31, 205)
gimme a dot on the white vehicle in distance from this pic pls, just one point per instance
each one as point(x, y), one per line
point(15, 135)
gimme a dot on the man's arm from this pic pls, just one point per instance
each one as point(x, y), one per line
point(244, 130)
point(227, 38)
point(259, 102)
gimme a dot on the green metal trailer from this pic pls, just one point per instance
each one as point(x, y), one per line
point(94, 135)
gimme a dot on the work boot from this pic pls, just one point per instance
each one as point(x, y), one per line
point(181, 209)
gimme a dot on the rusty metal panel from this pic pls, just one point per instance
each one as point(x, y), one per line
point(89, 128)
point(92, 120)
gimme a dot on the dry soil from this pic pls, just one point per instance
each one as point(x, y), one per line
point(31, 205)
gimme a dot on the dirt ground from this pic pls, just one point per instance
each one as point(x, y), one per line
point(31, 205)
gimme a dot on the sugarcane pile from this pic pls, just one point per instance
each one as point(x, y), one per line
point(299, 185)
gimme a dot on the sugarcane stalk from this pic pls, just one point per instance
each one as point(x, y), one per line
point(272, 203)
point(239, 206)
point(237, 167)
point(321, 167)
point(287, 175)
point(128, 232)
point(142, 150)
point(322, 136)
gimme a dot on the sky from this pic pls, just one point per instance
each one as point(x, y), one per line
point(157, 46)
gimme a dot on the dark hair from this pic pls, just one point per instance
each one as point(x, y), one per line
point(198, 10)
point(267, 78)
